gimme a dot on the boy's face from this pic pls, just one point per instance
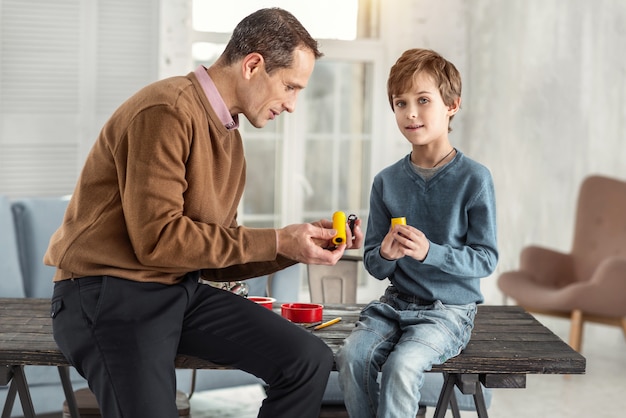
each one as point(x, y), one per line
point(421, 114)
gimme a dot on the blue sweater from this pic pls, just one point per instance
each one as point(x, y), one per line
point(456, 211)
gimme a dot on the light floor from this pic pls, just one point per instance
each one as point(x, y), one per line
point(600, 393)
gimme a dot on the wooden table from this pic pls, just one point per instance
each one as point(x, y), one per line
point(506, 345)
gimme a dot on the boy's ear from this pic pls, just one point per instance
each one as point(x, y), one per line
point(454, 107)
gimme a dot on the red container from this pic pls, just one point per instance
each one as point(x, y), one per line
point(263, 301)
point(302, 312)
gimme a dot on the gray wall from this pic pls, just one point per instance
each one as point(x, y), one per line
point(544, 102)
point(546, 106)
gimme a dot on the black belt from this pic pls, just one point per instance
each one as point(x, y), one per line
point(414, 299)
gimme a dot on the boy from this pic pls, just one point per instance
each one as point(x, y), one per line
point(434, 262)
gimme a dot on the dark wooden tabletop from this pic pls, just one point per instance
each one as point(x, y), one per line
point(505, 340)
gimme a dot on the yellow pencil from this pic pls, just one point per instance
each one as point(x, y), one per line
point(327, 323)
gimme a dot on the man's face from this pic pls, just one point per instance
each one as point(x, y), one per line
point(267, 96)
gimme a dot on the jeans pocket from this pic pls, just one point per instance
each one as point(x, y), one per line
point(56, 306)
point(460, 322)
point(60, 290)
point(466, 321)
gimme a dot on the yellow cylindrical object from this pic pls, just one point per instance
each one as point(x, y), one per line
point(339, 224)
point(398, 221)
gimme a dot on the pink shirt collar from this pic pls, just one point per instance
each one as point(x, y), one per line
point(208, 86)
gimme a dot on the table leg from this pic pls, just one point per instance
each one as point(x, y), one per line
point(447, 391)
point(447, 397)
point(21, 386)
point(64, 373)
point(6, 374)
point(10, 400)
point(456, 413)
point(479, 401)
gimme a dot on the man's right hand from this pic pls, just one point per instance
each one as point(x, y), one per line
point(305, 243)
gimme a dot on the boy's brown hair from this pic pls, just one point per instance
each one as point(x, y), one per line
point(415, 61)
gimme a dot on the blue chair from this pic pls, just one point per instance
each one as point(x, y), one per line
point(26, 225)
point(36, 219)
point(11, 282)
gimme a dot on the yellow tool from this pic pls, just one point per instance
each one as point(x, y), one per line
point(398, 221)
point(339, 224)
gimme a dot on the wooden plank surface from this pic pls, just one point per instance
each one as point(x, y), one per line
point(505, 340)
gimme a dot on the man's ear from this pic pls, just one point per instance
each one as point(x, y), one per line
point(454, 107)
point(251, 64)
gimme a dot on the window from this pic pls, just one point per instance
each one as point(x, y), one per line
point(306, 165)
point(314, 15)
point(337, 139)
point(64, 68)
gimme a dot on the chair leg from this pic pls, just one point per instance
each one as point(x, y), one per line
point(576, 330)
point(623, 322)
point(421, 413)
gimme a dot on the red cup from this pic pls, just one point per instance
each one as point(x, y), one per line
point(302, 312)
point(263, 301)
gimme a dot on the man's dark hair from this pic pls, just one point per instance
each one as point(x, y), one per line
point(274, 33)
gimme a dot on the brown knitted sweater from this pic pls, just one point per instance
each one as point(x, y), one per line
point(158, 195)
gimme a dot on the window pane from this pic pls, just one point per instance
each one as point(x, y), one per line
point(320, 96)
point(338, 138)
point(319, 175)
point(329, 137)
point(261, 201)
point(340, 23)
point(260, 177)
point(206, 53)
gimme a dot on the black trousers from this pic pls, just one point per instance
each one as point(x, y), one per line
point(123, 336)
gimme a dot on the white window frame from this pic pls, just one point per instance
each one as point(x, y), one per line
point(369, 51)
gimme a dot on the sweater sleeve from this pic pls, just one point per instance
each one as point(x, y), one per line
point(456, 212)
point(158, 196)
point(478, 256)
point(377, 227)
point(156, 168)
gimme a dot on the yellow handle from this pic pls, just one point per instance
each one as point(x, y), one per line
point(339, 224)
point(398, 221)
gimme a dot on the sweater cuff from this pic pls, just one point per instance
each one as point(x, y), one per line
point(436, 255)
point(261, 244)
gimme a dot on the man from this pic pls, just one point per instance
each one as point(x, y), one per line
point(154, 211)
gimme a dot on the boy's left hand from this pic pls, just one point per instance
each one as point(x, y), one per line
point(405, 240)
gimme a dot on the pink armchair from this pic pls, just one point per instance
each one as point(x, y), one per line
point(589, 282)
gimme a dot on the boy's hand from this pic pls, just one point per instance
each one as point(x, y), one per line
point(404, 240)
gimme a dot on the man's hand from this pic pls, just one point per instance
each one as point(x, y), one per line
point(353, 240)
point(312, 243)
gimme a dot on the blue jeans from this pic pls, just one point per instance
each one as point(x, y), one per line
point(402, 340)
